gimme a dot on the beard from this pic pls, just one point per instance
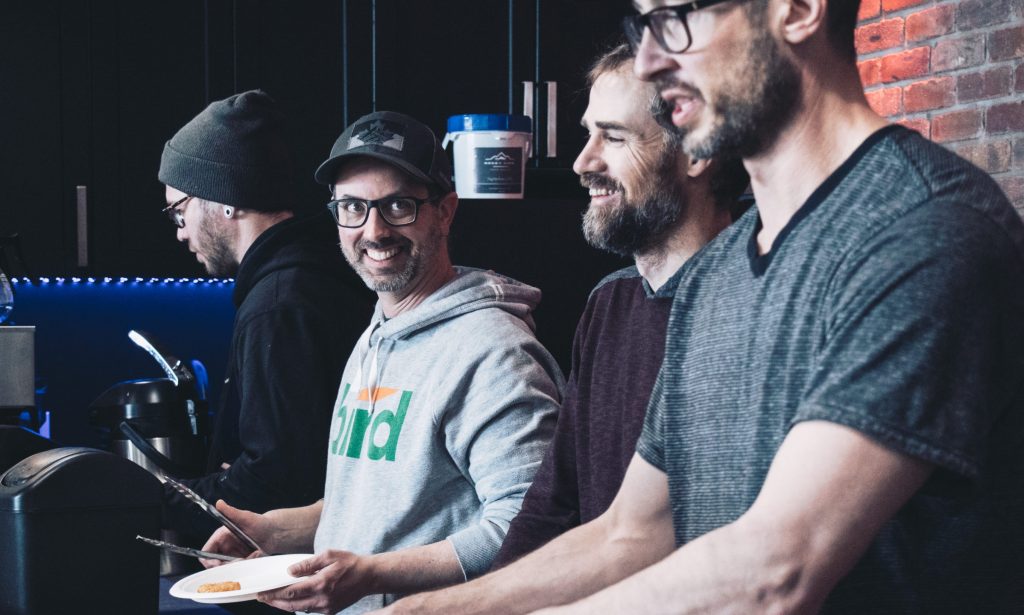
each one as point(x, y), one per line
point(401, 277)
point(754, 104)
point(637, 223)
point(219, 258)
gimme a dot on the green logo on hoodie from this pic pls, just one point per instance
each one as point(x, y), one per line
point(360, 431)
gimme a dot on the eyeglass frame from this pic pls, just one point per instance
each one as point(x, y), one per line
point(371, 203)
point(634, 25)
point(176, 217)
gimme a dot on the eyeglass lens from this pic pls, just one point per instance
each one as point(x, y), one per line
point(396, 211)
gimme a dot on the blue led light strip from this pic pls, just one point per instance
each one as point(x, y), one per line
point(43, 281)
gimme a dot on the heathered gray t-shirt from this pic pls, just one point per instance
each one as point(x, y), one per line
point(892, 303)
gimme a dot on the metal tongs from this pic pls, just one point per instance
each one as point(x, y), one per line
point(188, 551)
point(216, 514)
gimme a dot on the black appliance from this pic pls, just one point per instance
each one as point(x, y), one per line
point(68, 521)
point(162, 424)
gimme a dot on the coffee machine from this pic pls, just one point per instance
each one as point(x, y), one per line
point(162, 424)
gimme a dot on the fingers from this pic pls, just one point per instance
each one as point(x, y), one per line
point(310, 565)
point(302, 596)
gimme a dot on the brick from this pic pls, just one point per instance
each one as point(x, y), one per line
point(869, 9)
point(983, 84)
point(992, 156)
point(1018, 153)
point(1013, 186)
point(870, 72)
point(956, 126)
point(894, 5)
point(950, 54)
point(921, 125)
point(884, 34)
point(1006, 44)
point(904, 65)
point(930, 23)
point(1006, 117)
point(929, 94)
point(887, 101)
point(1018, 78)
point(973, 14)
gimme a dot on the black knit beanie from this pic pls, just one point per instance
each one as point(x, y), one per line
point(234, 152)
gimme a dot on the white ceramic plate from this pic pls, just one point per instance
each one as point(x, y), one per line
point(255, 576)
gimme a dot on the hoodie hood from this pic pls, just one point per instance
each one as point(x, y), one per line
point(300, 242)
point(470, 290)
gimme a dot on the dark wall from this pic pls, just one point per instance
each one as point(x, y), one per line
point(95, 88)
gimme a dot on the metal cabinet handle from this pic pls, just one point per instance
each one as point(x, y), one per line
point(82, 208)
point(552, 117)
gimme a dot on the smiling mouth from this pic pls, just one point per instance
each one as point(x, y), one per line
point(595, 192)
point(381, 255)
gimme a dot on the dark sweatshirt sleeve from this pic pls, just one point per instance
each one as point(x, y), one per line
point(289, 364)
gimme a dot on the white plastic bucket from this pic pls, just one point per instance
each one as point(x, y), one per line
point(490, 153)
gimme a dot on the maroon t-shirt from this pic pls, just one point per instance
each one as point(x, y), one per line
point(617, 351)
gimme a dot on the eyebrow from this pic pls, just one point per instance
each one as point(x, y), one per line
point(612, 126)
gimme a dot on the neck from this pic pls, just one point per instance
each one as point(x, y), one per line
point(699, 226)
point(832, 121)
point(393, 304)
point(253, 224)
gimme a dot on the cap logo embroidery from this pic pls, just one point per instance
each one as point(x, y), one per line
point(377, 133)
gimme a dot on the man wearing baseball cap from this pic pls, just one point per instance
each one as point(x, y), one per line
point(300, 311)
point(446, 405)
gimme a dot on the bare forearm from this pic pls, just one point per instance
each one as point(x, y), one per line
point(735, 569)
point(572, 566)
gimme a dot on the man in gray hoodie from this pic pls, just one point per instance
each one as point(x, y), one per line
point(446, 404)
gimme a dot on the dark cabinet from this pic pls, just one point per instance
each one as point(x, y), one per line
point(437, 59)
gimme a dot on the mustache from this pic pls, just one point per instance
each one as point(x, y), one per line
point(596, 180)
point(390, 242)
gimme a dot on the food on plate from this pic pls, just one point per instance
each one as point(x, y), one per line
point(225, 586)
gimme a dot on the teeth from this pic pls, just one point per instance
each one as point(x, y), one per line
point(381, 255)
point(601, 192)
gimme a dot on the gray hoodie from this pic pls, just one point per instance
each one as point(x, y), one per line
point(464, 406)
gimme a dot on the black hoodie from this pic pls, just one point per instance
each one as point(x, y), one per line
point(300, 311)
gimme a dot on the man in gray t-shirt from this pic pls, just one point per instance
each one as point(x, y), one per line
point(837, 424)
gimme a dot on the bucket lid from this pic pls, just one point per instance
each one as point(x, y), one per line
point(489, 121)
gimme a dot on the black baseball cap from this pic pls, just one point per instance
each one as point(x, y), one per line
point(394, 138)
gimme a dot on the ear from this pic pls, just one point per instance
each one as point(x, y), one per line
point(800, 19)
point(697, 167)
point(446, 208)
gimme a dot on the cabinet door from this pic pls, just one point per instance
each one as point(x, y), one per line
point(31, 159)
point(568, 36)
point(439, 58)
point(148, 77)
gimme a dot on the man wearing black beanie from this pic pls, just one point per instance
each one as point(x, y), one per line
point(299, 308)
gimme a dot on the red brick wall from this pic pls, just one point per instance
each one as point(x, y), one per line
point(954, 71)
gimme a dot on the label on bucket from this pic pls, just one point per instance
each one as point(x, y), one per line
point(499, 170)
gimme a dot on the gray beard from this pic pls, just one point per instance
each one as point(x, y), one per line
point(399, 280)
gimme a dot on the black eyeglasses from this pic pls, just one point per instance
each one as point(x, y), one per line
point(669, 25)
point(395, 210)
point(177, 217)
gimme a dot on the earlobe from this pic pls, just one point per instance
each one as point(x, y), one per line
point(803, 19)
point(697, 167)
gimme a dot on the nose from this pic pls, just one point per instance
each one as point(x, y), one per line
point(181, 234)
point(589, 160)
point(376, 228)
point(650, 58)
